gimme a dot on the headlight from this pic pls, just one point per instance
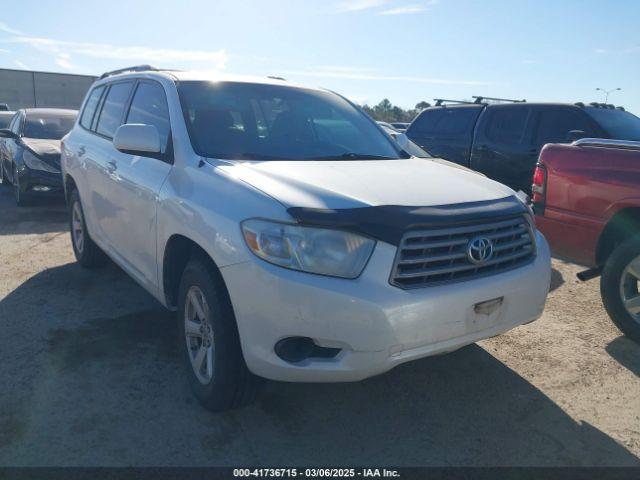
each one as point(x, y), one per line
point(34, 163)
point(314, 250)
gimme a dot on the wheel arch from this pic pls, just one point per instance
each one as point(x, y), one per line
point(624, 224)
point(69, 185)
point(178, 251)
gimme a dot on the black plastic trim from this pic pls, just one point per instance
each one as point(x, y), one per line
point(389, 223)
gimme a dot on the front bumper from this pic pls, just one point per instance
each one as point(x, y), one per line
point(376, 325)
point(39, 182)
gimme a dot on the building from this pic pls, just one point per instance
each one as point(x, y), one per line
point(27, 89)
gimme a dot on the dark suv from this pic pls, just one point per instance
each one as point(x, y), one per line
point(503, 140)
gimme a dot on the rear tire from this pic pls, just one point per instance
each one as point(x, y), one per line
point(87, 253)
point(619, 286)
point(210, 343)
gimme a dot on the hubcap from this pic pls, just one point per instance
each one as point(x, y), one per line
point(77, 230)
point(629, 288)
point(199, 334)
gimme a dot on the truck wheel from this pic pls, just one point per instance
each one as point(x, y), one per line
point(217, 372)
point(620, 290)
point(87, 253)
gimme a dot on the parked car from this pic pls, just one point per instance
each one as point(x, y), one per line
point(386, 125)
point(30, 151)
point(587, 203)
point(296, 241)
point(400, 126)
point(503, 141)
point(5, 118)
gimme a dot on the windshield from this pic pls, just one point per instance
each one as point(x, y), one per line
point(272, 122)
point(618, 124)
point(51, 126)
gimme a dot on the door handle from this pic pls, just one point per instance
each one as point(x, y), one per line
point(112, 166)
point(81, 151)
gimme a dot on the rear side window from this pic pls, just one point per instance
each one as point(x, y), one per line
point(90, 107)
point(507, 125)
point(617, 123)
point(113, 109)
point(446, 121)
point(555, 124)
point(149, 106)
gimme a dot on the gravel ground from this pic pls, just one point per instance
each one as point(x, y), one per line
point(89, 375)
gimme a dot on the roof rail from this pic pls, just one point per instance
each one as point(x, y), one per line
point(479, 99)
point(605, 142)
point(135, 68)
point(441, 101)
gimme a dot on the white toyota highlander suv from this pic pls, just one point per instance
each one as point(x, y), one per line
point(296, 240)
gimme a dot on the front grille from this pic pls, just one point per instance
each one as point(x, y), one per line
point(439, 255)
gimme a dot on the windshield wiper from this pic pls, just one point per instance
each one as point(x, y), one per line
point(354, 156)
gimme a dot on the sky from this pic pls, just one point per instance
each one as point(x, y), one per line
point(404, 50)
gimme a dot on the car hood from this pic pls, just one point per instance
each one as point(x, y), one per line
point(43, 147)
point(364, 183)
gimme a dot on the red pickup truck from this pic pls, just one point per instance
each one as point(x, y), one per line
point(586, 197)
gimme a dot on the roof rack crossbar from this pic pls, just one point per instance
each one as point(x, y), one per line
point(441, 101)
point(134, 68)
point(480, 99)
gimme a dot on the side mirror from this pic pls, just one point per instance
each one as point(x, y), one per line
point(6, 133)
point(574, 135)
point(137, 139)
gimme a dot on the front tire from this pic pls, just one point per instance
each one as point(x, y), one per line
point(620, 287)
point(87, 253)
point(211, 350)
point(22, 199)
point(3, 177)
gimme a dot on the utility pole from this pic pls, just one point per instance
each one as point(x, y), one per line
point(607, 92)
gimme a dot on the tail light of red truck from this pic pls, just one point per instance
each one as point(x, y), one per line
point(539, 189)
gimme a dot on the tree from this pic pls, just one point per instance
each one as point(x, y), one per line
point(385, 111)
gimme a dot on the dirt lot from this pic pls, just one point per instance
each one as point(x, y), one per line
point(89, 375)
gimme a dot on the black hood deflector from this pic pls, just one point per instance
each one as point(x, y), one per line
point(390, 222)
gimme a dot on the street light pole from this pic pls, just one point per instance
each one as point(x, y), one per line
point(607, 92)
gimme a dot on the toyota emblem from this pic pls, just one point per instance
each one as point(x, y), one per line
point(479, 250)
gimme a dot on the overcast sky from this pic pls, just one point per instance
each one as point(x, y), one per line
point(403, 50)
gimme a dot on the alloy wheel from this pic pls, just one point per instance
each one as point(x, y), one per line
point(629, 288)
point(77, 227)
point(199, 334)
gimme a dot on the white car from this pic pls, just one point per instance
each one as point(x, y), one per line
point(295, 239)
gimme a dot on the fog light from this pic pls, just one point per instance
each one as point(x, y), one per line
point(297, 349)
point(41, 188)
